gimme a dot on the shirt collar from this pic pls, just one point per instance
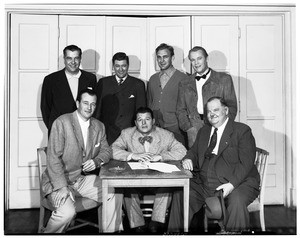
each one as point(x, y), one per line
point(169, 72)
point(222, 127)
point(204, 73)
point(68, 75)
point(118, 79)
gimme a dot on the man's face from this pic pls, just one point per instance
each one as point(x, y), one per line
point(144, 122)
point(86, 106)
point(199, 61)
point(164, 59)
point(121, 68)
point(72, 61)
point(216, 113)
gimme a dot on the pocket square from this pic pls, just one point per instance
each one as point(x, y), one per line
point(97, 145)
point(131, 96)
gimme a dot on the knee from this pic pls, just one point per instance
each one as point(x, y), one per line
point(236, 201)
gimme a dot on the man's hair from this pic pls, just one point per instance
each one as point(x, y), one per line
point(197, 48)
point(120, 56)
point(164, 46)
point(222, 101)
point(89, 91)
point(143, 110)
point(72, 48)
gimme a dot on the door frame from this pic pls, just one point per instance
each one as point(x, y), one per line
point(287, 11)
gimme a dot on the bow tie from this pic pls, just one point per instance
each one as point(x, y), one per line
point(145, 138)
point(202, 76)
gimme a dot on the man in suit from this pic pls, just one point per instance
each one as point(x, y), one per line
point(162, 91)
point(60, 89)
point(77, 145)
point(222, 157)
point(197, 89)
point(119, 96)
point(147, 143)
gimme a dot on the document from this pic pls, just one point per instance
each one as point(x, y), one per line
point(159, 166)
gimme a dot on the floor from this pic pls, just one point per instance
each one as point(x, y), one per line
point(279, 221)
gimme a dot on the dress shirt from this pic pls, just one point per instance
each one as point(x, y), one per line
point(119, 79)
point(165, 76)
point(84, 125)
point(73, 82)
point(199, 85)
point(219, 135)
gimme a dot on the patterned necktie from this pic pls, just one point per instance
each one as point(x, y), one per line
point(212, 143)
point(202, 76)
point(145, 138)
point(120, 81)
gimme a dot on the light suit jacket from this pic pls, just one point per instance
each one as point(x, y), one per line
point(66, 152)
point(236, 154)
point(218, 84)
point(163, 144)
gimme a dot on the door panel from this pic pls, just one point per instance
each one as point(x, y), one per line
point(219, 37)
point(88, 33)
point(31, 60)
point(128, 35)
point(261, 87)
point(174, 31)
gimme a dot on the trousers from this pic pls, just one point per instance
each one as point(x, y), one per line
point(90, 187)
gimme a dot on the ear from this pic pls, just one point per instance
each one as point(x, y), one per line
point(226, 111)
point(173, 57)
point(153, 122)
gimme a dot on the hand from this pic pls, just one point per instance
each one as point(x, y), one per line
point(187, 164)
point(60, 196)
point(88, 165)
point(227, 189)
point(192, 134)
point(156, 158)
point(142, 157)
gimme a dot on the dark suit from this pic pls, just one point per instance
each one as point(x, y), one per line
point(57, 98)
point(116, 105)
point(234, 163)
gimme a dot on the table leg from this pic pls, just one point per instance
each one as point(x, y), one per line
point(104, 204)
point(186, 197)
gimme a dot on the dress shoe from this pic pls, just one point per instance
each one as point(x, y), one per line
point(156, 227)
point(138, 230)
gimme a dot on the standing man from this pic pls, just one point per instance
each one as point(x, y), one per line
point(119, 96)
point(162, 91)
point(222, 157)
point(197, 89)
point(60, 89)
point(77, 145)
point(147, 143)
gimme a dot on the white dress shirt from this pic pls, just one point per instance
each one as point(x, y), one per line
point(219, 135)
point(84, 125)
point(73, 82)
point(199, 85)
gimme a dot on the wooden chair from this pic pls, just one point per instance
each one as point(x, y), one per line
point(258, 203)
point(81, 204)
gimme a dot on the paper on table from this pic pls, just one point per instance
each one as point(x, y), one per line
point(159, 166)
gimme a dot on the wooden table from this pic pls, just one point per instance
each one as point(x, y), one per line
point(143, 178)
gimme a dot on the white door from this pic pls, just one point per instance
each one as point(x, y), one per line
point(175, 31)
point(88, 33)
point(219, 37)
point(261, 94)
point(34, 53)
point(128, 35)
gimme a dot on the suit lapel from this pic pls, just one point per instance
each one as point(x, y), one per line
point(77, 130)
point(137, 146)
point(64, 85)
point(90, 140)
point(224, 142)
point(155, 145)
point(192, 83)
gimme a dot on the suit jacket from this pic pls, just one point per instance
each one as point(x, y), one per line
point(116, 105)
point(163, 144)
point(57, 98)
point(66, 152)
point(218, 84)
point(236, 154)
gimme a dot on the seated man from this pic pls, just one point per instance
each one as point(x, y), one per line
point(146, 142)
point(222, 157)
point(77, 145)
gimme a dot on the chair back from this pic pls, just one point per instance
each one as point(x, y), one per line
point(261, 165)
point(41, 154)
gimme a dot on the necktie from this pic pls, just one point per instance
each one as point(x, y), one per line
point(120, 81)
point(145, 138)
point(202, 76)
point(212, 143)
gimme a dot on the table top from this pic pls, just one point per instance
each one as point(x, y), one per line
point(116, 169)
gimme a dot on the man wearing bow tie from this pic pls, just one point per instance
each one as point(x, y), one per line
point(194, 92)
point(147, 143)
